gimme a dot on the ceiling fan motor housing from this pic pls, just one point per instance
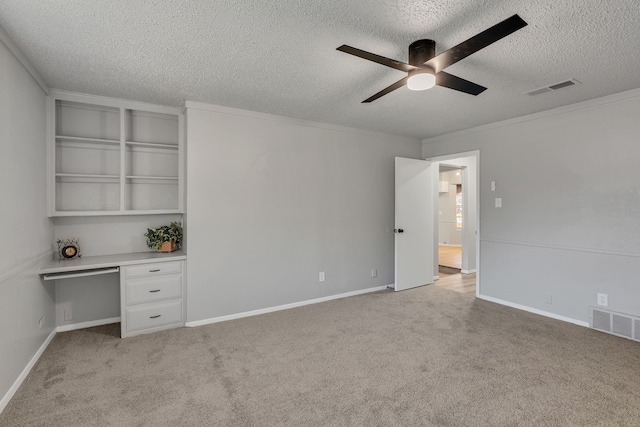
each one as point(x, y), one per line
point(421, 51)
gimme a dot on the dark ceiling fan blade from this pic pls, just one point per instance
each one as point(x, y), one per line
point(453, 82)
point(376, 58)
point(385, 91)
point(475, 43)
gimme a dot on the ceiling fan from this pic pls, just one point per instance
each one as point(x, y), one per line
point(425, 69)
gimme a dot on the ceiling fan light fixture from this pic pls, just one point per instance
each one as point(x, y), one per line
point(426, 69)
point(421, 80)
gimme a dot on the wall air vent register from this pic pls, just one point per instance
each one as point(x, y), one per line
point(611, 322)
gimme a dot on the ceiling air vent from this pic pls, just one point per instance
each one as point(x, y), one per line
point(553, 87)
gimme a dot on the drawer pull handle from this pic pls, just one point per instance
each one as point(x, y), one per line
point(155, 290)
point(155, 317)
point(154, 271)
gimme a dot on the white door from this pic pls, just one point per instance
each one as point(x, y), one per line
point(414, 223)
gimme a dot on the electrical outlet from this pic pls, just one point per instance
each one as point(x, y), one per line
point(41, 322)
point(548, 299)
point(374, 273)
point(68, 315)
point(498, 202)
point(603, 300)
point(321, 276)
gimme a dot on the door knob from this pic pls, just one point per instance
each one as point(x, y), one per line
point(398, 230)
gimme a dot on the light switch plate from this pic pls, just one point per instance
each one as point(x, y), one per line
point(498, 202)
point(493, 186)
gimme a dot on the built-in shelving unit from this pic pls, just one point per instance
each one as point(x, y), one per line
point(113, 157)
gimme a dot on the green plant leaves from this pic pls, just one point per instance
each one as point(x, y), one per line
point(157, 236)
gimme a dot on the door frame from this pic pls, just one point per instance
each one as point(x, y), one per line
point(443, 159)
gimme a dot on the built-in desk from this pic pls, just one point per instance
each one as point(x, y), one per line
point(151, 286)
point(106, 261)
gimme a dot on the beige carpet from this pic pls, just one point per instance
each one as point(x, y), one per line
point(423, 357)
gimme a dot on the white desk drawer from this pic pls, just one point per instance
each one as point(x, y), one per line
point(149, 289)
point(154, 269)
point(154, 315)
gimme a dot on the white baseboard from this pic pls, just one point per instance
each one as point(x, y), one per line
point(91, 324)
point(436, 278)
point(25, 372)
point(473, 270)
point(23, 375)
point(450, 244)
point(64, 328)
point(282, 307)
point(534, 310)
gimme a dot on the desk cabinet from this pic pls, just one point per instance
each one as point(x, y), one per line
point(152, 286)
point(152, 297)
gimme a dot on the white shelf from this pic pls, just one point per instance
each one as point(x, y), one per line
point(113, 157)
point(164, 178)
point(152, 144)
point(118, 212)
point(87, 175)
point(90, 140)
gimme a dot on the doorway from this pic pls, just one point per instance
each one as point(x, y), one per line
point(449, 213)
point(456, 222)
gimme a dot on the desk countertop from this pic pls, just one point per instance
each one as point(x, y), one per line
point(105, 261)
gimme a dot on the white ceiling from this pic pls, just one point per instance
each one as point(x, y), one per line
point(279, 57)
point(448, 168)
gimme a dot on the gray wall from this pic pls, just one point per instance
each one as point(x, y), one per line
point(276, 200)
point(98, 297)
point(569, 225)
point(26, 232)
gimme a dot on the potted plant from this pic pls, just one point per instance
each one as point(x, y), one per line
point(167, 238)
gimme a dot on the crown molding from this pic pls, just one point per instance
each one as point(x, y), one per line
point(583, 105)
point(22, 59)
point(294, 122)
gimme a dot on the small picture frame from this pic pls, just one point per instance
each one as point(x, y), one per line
point(68, 248)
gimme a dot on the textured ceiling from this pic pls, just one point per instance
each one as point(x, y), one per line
point(279, 56)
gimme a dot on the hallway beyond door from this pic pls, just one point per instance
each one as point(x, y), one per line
point(450, 256)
